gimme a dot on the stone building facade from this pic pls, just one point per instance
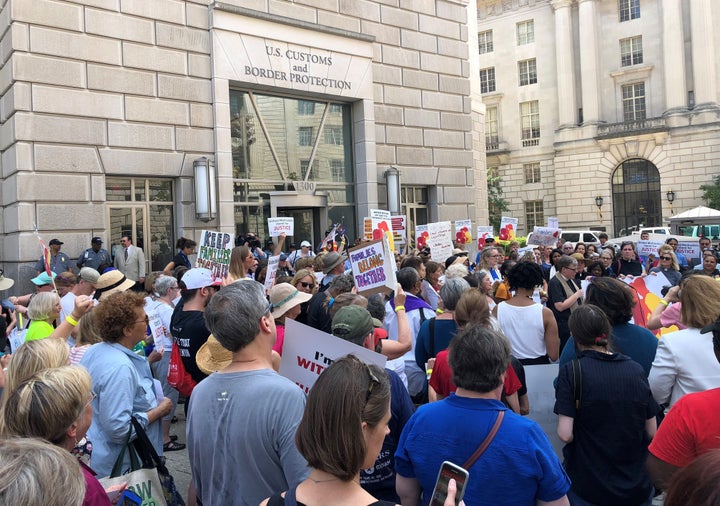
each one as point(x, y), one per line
point(302, 106)
point(600, 98)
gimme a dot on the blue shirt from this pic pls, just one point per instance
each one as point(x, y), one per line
point(518, 468)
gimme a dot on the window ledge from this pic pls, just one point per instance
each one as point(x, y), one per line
point(632, 73)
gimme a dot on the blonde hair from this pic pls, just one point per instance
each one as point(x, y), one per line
point(47, 404)
point(34, 356)
point(237, 262)
point(472, 308)
point(302, 273)
point(36, 473)
point(42, 305)
point(86, 331)
point(700, 298)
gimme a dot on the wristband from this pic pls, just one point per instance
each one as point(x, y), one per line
point(664, 302)
point(399, 308)
point(72, 321)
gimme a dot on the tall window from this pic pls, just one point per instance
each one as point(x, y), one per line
point(530, 123)
point(527, 70)
point(306, 108)
point(633, 97)
point(334, 135)
point(491, 128)
point(487, 80)
point(629, 9)
point(525, 32)
point(534, 216)
point(337, 170)
point(414, 206)
point(305, 136)
point(631, 52)
point(485, 42)
point(532, 172)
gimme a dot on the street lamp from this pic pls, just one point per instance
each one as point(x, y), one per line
point(670, 195)
point(599, 202)
point(392, 178)
point(205, 189)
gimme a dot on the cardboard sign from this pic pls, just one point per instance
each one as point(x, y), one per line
point(380, 214)
point(399, 229)
point(483, 232)
point(214, 252)
point(373, 267)
point(271, 272)
point(421, 236)
point(463, 231)
point(553, 222)
point(277, 226)
point(308, 351)
point(440, 241)
point(545, 236)
point(508, 228)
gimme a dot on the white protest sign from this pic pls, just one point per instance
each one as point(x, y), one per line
point(553, 222)
point(399, 229)
point(508, 228)
point(214, 252)
point(483, 233)
point(377, 228)
point(157, 329)
point(271, 272)
point(541, 394)
point(440, 240)
point(380, 214)
point(545, 236)
point(421, 236)
point(308, 351)
point(373, 267)
point(645, 248)
point(689, 249)
point(463, 231)
point(282, 225)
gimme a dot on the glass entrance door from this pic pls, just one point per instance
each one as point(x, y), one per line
point(306, 225)
point(127, 221)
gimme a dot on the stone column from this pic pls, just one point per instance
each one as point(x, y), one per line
point(703, 53)
point(567, 104)
point(673, 56)
point(589, 61)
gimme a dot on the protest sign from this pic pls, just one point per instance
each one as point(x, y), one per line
point(376, 229)
point(277, 226)
point(308, 351)
point(157, 329)
point(553, 222)
point(380, 214)
point(399, 229)
point(644, 248)
point(483, 232)
point(330, 238)
point(689, 249)
point(373, 267)
point(541, 394)
point(271, 272)
point(508, 228)
point(214, 252)
point(545, 236)
point(421, 236)
point(463, 231)
point(440, 240)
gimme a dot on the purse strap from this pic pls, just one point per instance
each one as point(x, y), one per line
point(134, 459)
point(577, 383)
point(145, 447)
point(486, 442)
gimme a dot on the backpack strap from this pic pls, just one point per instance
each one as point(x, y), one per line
point(577, 383)
point(432, 337)
point(486, 442)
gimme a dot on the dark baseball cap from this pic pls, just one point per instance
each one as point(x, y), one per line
point(96, 240)
point(53, 242)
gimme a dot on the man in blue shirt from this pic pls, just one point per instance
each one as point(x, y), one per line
point(59, 262)
point(94, 256)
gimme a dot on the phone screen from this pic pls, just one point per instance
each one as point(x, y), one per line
point(130, 498)
point(449, 471)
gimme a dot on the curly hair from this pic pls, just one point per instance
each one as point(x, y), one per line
point(525, 275)
point(116, 313)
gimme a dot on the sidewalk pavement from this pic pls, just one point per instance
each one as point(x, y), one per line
point(178, 462)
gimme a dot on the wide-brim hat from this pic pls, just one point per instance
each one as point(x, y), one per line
point(212, 356)
point(332, 260)
point(112, 282)
point(284, 297)
point(5, 283)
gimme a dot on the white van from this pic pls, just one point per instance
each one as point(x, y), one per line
point(575, 236)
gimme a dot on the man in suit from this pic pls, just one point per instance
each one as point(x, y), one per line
point(130, 260)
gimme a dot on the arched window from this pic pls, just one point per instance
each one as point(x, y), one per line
point(636, 196)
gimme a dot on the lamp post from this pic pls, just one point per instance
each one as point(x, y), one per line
point(205, 189)
point(599, 202)
point(392, 179)
point(670, 195)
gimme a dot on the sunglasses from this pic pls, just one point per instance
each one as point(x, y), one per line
point(665, 258)
point(307, 285)
point(371, 383)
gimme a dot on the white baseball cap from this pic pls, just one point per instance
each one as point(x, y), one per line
point(199, 277)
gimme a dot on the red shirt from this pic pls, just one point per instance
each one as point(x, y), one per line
point(442, 383)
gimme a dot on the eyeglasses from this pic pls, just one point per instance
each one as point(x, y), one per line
point(93, 396)
point(145, 321)
point(269, 309)
point(665, 258)
point(371, 384)
point(307, 285)
point(574, 269)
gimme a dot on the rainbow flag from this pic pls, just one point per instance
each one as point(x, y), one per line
point(46, 257)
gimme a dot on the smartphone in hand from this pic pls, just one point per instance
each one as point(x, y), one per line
point(449, 471)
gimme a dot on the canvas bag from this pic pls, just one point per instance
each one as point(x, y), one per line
point(178, 377)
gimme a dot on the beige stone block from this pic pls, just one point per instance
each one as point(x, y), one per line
point(185, 88)
point(380, 134)
point(383, 34)
point(385, 154)
point(199, 65)
point(444, 139)
point(437, 26)
point(327, 18)
point(419, 79)
point(48, 13)
point(450, 121)
point(414, 156)
point(404, 135)
point(40, 69)
point(154, 58)
point(76, 46)
point(452, 158)
point(416, 40)
point(450, 47)
point(133, 135)
point(135, 162)
point(156, 111)
point(97, 188)
point(442, 101)
point(164, 10)
point(36, 186)
point(18, 39)
point(440, 64)
point(400, 57)
point(119, 26)
point(457, 85)
point(17, 157)
point(55, 158)
point(111, 5)
point(15, 217)
point(180, 37)
point(136, 82)
point(398, 17)
point(293, 11)
point(17, 98)
point(424, 6)
point(422, 118)
point(70, 215)
point(454, 11)
point(360, 9)
point(44, 128)
point(201, 115)
point(389, 115)
point(194, 139)
point(77, 103)
point(386, 74)
point(402, 96)
point(197, 15)
point(6, 78)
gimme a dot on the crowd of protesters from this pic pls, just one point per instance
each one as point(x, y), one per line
point(636, 411)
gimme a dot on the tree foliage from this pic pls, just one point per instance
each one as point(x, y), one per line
point(496, 203)
point(711, 193)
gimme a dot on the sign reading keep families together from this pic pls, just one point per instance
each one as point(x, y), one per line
point(214, 252)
